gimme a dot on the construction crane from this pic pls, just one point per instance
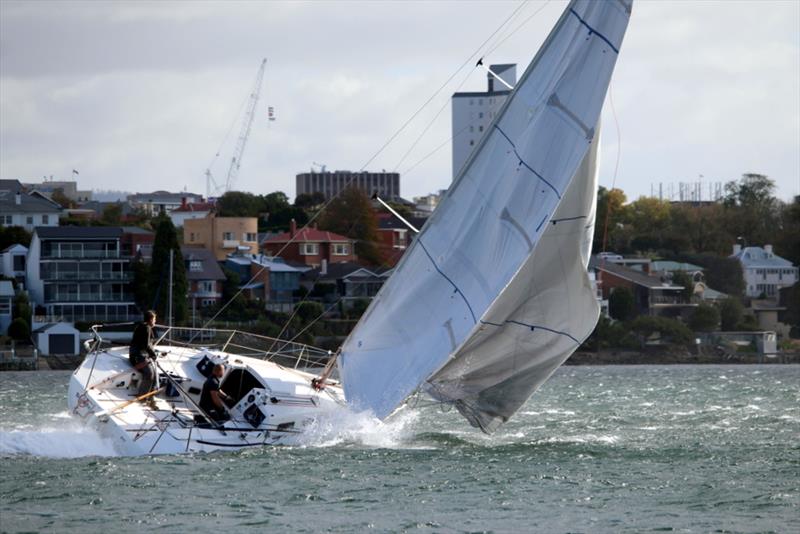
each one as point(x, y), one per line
point(212, 188)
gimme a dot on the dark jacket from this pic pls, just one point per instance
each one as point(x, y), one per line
point(142, 343)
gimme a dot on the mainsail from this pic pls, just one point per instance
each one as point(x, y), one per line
point(493, 294)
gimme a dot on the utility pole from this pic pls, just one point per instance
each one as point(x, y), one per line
point(171, 259)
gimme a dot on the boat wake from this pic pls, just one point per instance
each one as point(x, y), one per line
point(64, 439)
point(347, 428)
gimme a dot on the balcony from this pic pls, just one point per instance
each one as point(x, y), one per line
point(88, 297)
point(669, 300)
point(81, 254)
point(230, 243)
point(90, 276)
point(206, 294)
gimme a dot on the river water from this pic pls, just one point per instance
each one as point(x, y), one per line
point(597, 449)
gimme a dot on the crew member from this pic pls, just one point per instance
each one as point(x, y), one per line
point(142, 355)
point(211, 398)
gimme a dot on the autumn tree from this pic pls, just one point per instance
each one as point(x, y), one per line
point(351, 214)
point(610, 206)
point(751, 208)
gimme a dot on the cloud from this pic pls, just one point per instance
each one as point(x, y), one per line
point(140, 95)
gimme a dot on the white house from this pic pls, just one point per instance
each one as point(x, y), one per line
point(190, 210)
point(764, 272)
point(6, 298)
point(28, 210)
point(12, 262)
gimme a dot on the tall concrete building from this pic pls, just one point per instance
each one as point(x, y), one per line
point(473, 113)
point(330, 184)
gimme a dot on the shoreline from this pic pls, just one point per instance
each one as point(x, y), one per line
point(672, 357)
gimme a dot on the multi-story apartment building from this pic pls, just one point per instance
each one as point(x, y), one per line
point(222, 235)
point(474, 112)
point(18, 207)
point(764, 272)
point(330, 184)
point(77, 273)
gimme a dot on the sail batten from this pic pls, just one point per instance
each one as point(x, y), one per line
point(491, 297)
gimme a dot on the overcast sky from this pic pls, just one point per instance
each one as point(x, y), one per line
point(139, 96)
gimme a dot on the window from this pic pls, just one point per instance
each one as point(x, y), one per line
point(45, 219)
point(206, 286)
point(480, 101)
point(5, 306)
point(480, 115)
point(471, 142)
point(309, 249)
point(196, 266)
point(480, 128)
point(205, 303)
point(19, 262)
point(227, 236)
point(250, 237)
point(5, 219)
point(340, 249)
point(29, 219)
point(191, 236)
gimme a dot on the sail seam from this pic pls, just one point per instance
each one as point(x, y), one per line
point(593, 31)
point(534, 327)
point(522, 161)
point(554, 221)
point(463, 296)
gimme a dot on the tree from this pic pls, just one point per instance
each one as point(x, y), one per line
point(19, 330)
point(730, 314)
point(238, 204)
point(309, 200)
point(166, 240)
point(704, 318)
point(751, 208)
point(790, 297)
point(22, 308)
point(112, 214)
point(14, 235)
point(787, 240)
point(610, 204)
point(61, 199)
point(621, 304)
point(722, 273)
point(351, 214)
point(669, 330)
point(650, 219)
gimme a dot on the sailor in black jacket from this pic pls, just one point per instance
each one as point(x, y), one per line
point(142, 355)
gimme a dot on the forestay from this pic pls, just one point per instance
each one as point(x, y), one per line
point(493, 294)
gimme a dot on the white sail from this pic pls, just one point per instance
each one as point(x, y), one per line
point(453, 314)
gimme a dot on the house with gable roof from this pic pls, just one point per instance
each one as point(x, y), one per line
point(310, 246)
point(18, 207)
point(765, 273)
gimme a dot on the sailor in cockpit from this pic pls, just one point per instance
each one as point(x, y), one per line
point(211, 398)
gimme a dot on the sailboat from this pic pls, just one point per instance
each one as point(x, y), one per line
point(490, 299)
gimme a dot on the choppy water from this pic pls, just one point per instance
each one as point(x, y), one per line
point(597, 449)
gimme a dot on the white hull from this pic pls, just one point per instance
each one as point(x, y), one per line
point(275, 403)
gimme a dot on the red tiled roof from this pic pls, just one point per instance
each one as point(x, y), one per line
point(308, 235)
point(196, 206)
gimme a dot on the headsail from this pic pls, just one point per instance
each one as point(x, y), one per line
point(471, 310)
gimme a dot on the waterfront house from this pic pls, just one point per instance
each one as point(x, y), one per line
point(310, 246)
point(81, 273)
point(6, 302)
point(12, 262)
point(653, 295)
point(28, 210)
point(765, 273)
